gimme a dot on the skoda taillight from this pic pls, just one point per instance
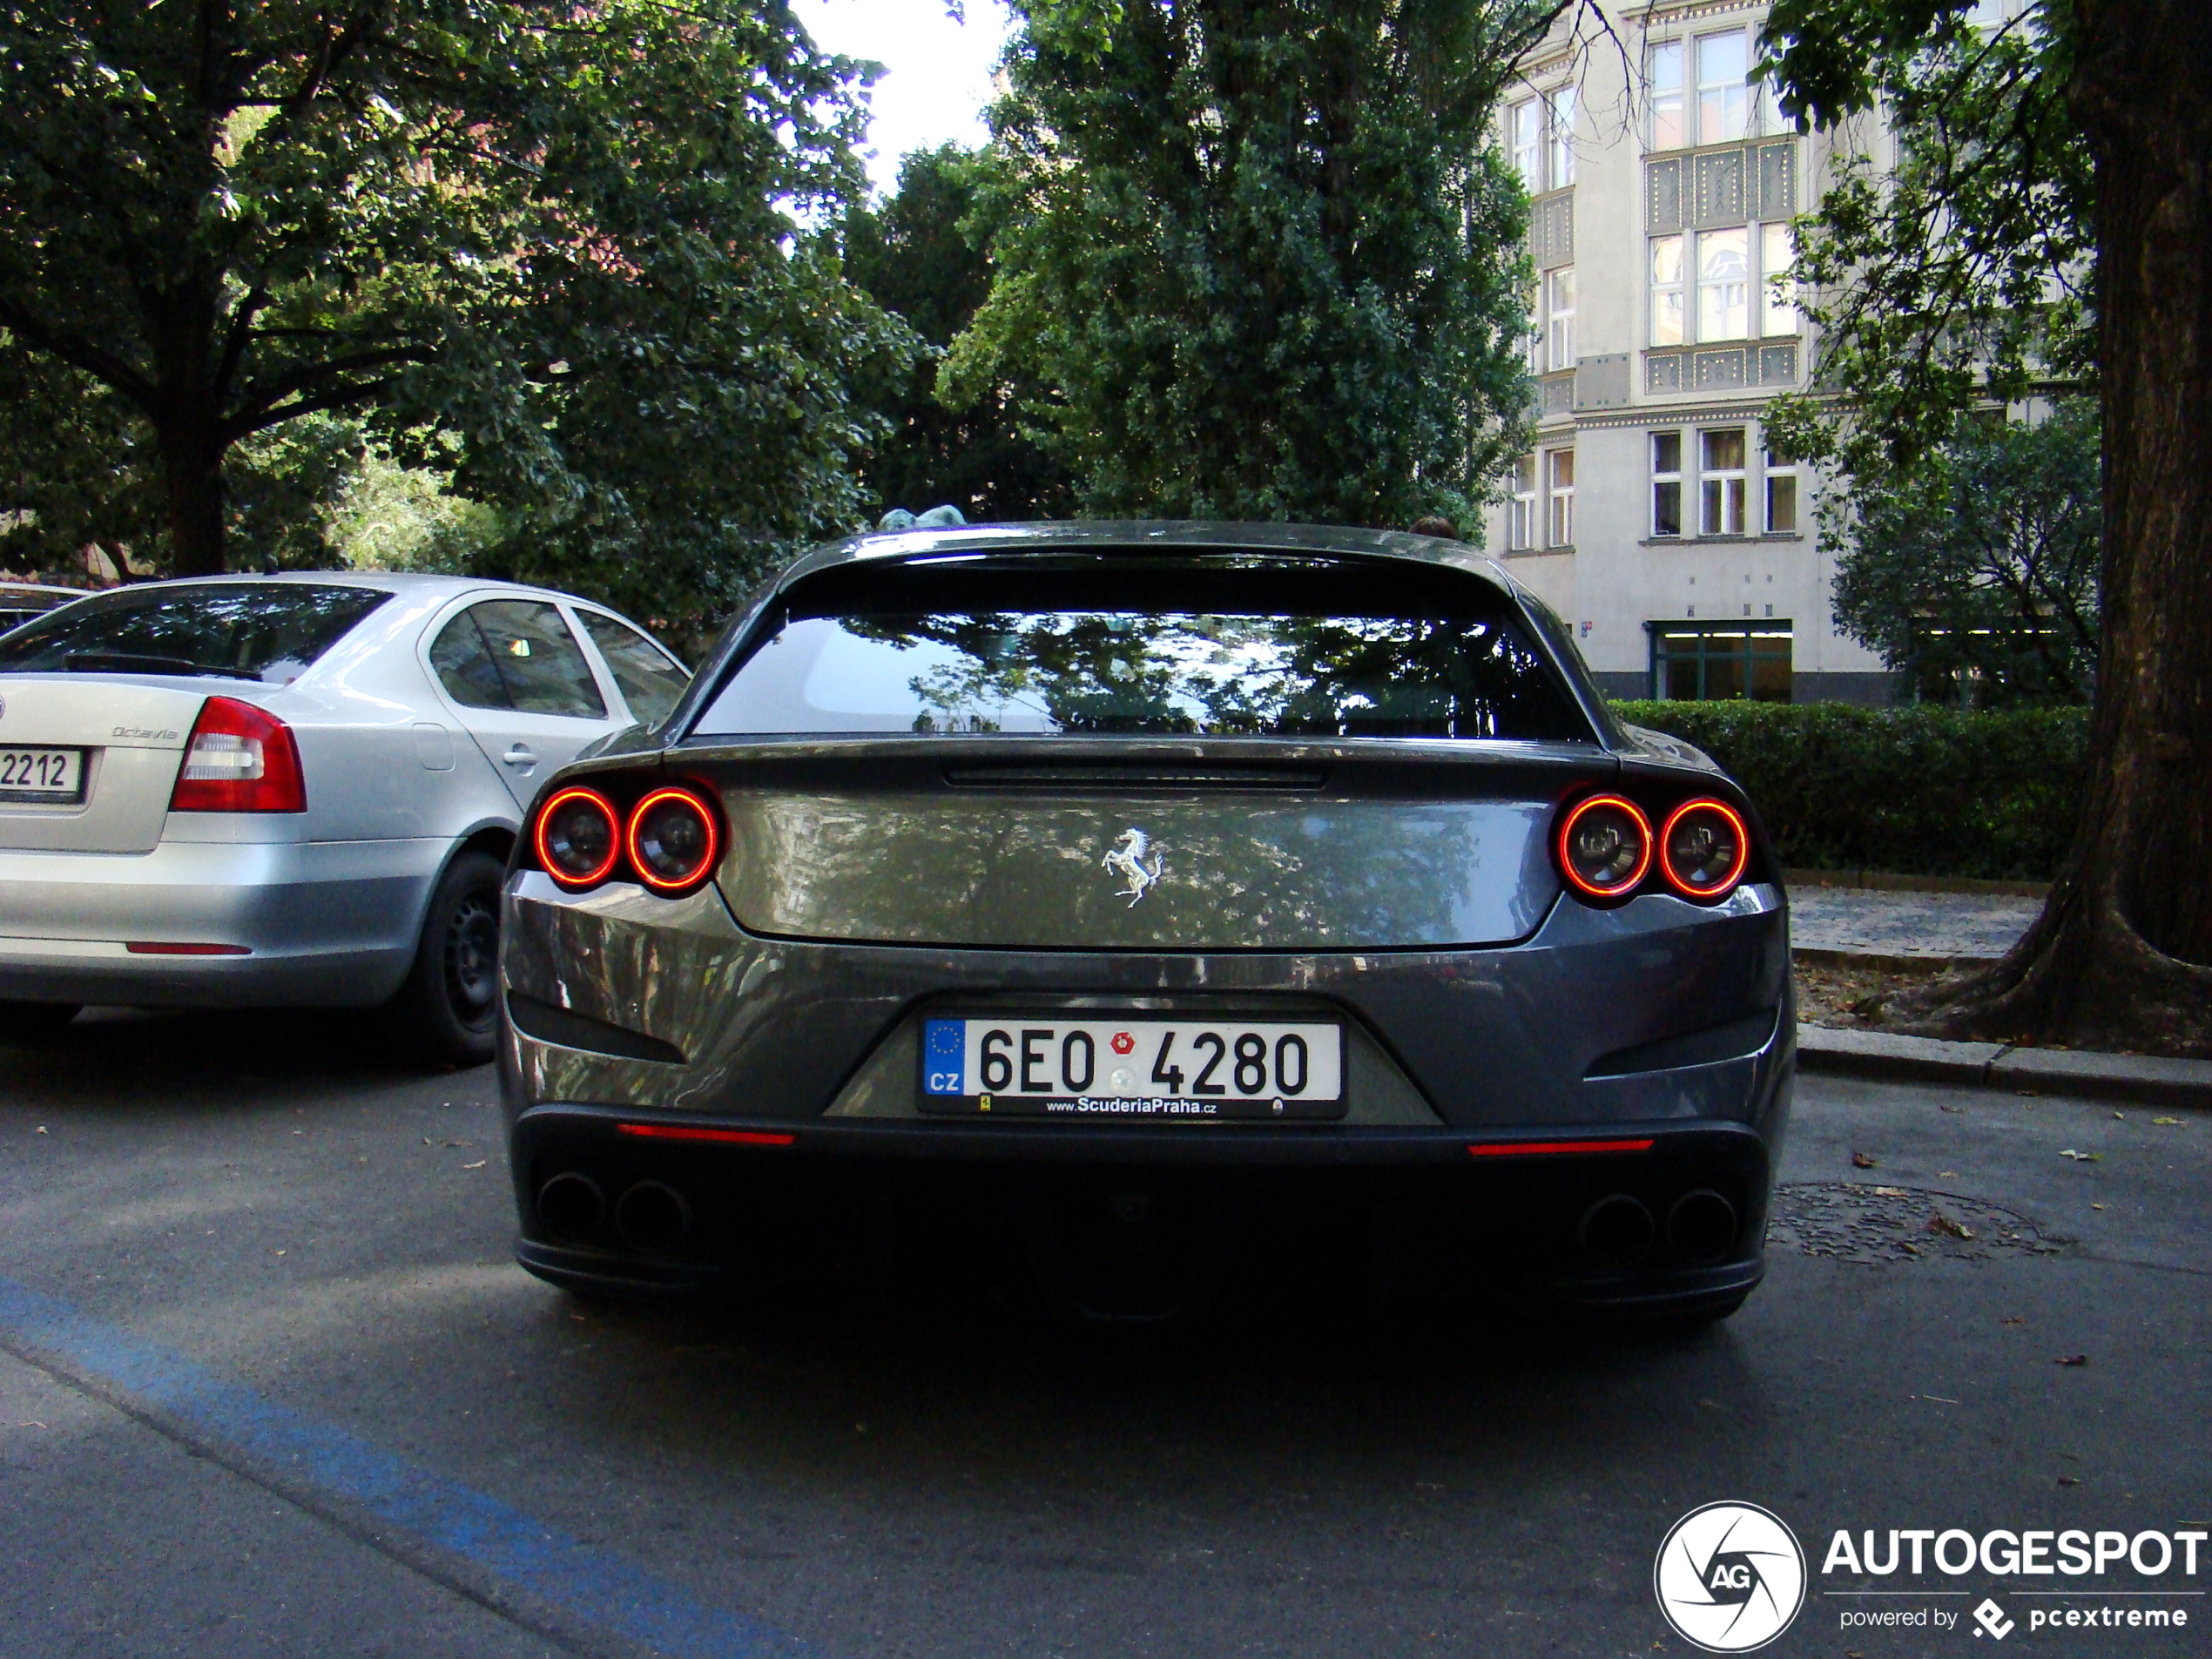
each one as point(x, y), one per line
point(240, 759)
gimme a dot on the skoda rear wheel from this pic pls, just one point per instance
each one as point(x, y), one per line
point(451, 1003)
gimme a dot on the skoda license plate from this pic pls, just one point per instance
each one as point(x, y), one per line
point(42, 774)
point(1136, 1070)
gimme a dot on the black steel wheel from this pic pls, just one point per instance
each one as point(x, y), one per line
point(449, 1006)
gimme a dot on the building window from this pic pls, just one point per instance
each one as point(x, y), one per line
point(1694, 661)
point(1723, 285)
point(1562, 145)
point(1558, 307)
point(1781, 497)
point(1721, 482)
point(1520, 531)
point(1527, 151)
point(1666, 483)
point(1663, 76)
point(1778, 261)
point(1723, 89)
point(1561, 465)
point(1666, 291)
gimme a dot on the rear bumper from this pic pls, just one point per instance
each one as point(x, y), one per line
point(315, 923)
point(1504, 1215)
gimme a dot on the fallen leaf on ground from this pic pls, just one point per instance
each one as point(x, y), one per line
point(2169, 1123)
point(2071, 1359)
point(2081, 1157)
point(2017, 1319)
point(41, 1130)
point(2068, 1481)
point(1861, 1161)
point(2096, 1206)
point(1939, 1222)
point(478, 1165)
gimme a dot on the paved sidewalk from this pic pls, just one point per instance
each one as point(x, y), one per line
point(1936, 926)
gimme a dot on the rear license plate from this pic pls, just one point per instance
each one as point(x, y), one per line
point(1140, 1070)
point(42, 774)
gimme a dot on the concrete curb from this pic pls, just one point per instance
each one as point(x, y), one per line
point(1881, 880)
point(1997, 1065)
point(1883, 962)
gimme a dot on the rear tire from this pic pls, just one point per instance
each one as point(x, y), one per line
point(29, 1022)
point(448, 1010)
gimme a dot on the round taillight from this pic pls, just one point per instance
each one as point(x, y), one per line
point(578, 837)
point(1605, 846)
point(1704, 848)
point(673, 840)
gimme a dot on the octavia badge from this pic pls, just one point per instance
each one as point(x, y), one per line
point(1138, 862)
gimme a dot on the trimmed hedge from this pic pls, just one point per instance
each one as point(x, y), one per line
point(1918, 791)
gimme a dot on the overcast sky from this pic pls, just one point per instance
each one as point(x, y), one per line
point(937, 72)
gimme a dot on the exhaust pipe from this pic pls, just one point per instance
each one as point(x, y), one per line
point(652, 1217)
point(1617, 1230)
point(1700, 1225)
point(571, 1208)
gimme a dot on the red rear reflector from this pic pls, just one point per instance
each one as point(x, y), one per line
point(240, 759)
point(156, 947)
point(728, 1137)
point(1538, 1148)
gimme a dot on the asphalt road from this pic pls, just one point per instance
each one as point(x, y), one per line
point(269, 1383)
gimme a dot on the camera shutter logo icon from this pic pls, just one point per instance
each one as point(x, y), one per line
point(1729, 1577)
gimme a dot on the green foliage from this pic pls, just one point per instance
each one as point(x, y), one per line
point(566, 238)
point(1976, 573)
point(1965, 274)
point(76, 468)
point(1916, 791)
point(390, 517)
point(1264, 259)
point(921, 257)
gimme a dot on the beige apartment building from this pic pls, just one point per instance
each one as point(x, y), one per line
point(1650, 516)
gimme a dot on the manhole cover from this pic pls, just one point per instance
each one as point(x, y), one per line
point(1852, 1222)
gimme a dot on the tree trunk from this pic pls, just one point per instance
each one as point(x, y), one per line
point(2121, 957)
point(192, 464)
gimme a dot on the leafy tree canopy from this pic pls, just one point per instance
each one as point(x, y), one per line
point(1962, 273)
point(921, 256)
point(1264, 259)
point(563, 239)
point(1975, 573)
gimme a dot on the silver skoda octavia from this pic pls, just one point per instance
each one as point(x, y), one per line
point(296, 789)
point(1089, 887)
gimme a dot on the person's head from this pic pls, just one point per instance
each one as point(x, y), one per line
point(1431, 525)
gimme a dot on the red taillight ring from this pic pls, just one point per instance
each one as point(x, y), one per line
point(1742, 848)
point(1630, 883)
point(614, 837)
point(713, 841)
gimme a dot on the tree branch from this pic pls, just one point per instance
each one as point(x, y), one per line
point(79, 352)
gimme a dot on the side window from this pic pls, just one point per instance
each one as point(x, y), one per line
point(650, 679)
point(463, 664)
point(534, 658)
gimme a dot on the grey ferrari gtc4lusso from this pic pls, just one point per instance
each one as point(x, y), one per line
point(1093, 886)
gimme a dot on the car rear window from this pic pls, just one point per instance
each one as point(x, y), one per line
point(1232, 647)
point(270, 632)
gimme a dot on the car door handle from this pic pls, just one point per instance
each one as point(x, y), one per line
point(518, 754)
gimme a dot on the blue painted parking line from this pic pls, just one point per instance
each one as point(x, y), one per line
point(584, 1583)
